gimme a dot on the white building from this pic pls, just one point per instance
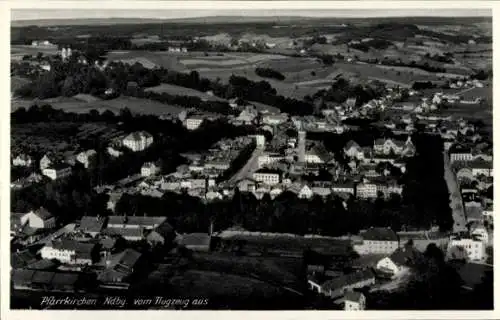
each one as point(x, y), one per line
point(57, 171)
point(138, 141)
point(39, 219)
point(85, 157)
point(22, 160)
point(366, 190)
point(269, 177)
point(149, 169)
point(354, 301)
point(193, 123)
point(475, 248)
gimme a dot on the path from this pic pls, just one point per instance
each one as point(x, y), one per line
point(456, 203)
point(251, 166)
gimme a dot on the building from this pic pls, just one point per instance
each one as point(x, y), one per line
point(354, 301)
point(135, 222)
point(86, 157)
point(301, 146)
point(340, 285)
point(46, 161)
point(71, 252)
point(343, 187)
point(268, 176)
point(119, 268)
point(398, 261)
point(353, 150)
point(22, 160)
point(274, 119)
point(92, 225)
point(472, 245)
point(57, 171)
point(149, 169)
point(138, 141)
point(247, 116)
point(39, 219)
point(462, 155)
point(195, 241)
point(480, 167)
point(478, 230)
point(193, 122)
point(366, 190)
point(378, 240)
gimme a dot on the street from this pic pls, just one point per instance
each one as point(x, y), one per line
point(251, 166)
point(456, 203)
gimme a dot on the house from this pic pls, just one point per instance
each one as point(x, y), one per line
point(113, 152)
point(22, 160)
point(353, 150)
point(303, 191)
point(475, 248)
point(247, 116)
point(92, 225)
point(57, 171)
point(398, 261)
point(120, 267)
point(195, 241)
point(274, 119)
point(387, 146)
point(366, 190)
point(480, 167)
point(461, 155)
point(378, 240)
point(343, 187)
point(46, 161)
point(268, 176)
point(354, 301)
point(149, 169)
point(70, 252)
point(85, 157)
point(22, 259)
point(317, 154)
point(138, 141)
point(193, 122)
point(161, 235)
point(339, 286)
point(478, 230)
point(39, 219)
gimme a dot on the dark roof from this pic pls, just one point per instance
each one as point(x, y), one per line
point(44, 277)
point(379, 234)
point(22, 259)
point(266, 170)
point(92, 224)
point(351, 143)
point(81, 248)
point(353, 296)
point(22, 276)
point(348, 279)
point(127, 258)
point(403, 256)
point(43, 213)
point(43, 264)
point(124, 232)
point(65, 278)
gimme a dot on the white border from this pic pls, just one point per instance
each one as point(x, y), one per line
point(209, 5)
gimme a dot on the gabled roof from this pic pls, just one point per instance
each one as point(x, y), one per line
point(127, 259)
point(80, 248)
point(92, 224)
point(22, 259)
point(350, 144)
point(136, 220)
point(404, 255)
point(353, 296)
point(194, 239)
point(43, 213)
point(348, 279)
point(138, 135)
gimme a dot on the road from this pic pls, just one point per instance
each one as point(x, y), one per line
point(251, 166)
point(456, 203)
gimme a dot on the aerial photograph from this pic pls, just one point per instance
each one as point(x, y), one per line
point(248, 160)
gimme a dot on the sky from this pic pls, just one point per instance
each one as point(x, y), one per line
point(34, 14)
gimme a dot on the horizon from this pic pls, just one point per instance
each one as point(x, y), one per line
point(83, 14)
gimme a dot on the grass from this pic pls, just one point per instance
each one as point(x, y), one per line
point(17, 82)
point(177, 90)
point(72, 104)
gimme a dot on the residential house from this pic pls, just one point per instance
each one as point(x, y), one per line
point(161, 235)
point(22, 160)
point(57, 171)
point(113, 152)
point(341, 285)
point(149, 169)
point(138, 141)
point(41, 218)
point(366, 190)
point(274, 119)
point(70, 252)
point(268, 176)
point(343, 187)
point(247, 116)
point(480, 167)
point(86, 157)
point(120, 267)
point(46, 161)
point(135, 222)
point(193, 122)
point(475, 247)
point(477, 229)
point(461, 155)
point(378, 240)
point(398, 261)
point(317, 154)
point(92, 225)
point(303, 191)
point(354, 301)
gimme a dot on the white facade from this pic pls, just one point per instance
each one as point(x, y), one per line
point(85, 157)
point(366, 190)
point(149, 169)
point(138, 141)
point(476, 249)
point(55, 174)
point(45, 162)
point(386, 264)
point(193, 123)
point(461, 157)
point(22, 161)
point(64, 256)
point(36, 222)
point(351, 305)
point(267, 178)
point(376, 247)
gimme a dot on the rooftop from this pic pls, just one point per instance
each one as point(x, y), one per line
point(379, 234)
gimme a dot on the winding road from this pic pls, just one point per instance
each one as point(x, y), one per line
point(456, 203)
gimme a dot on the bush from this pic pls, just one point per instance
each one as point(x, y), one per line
point(269, 73)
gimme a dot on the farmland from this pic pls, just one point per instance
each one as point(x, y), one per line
point(177, 90)
point(72, 104)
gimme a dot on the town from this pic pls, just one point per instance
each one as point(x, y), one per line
point(219, 183)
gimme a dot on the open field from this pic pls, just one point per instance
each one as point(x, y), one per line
point(136, 105)
point(29, 50)
point(177, 90)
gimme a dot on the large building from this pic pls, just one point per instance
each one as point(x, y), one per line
point(39, 219)
point(138, 141)
point(267, 176)
point(472, 245)
point(378, 240)
point(70, 252)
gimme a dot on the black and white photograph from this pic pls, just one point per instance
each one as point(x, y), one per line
point(247, 159)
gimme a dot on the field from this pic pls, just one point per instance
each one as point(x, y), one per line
point(136, 105)
point(177, 90)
